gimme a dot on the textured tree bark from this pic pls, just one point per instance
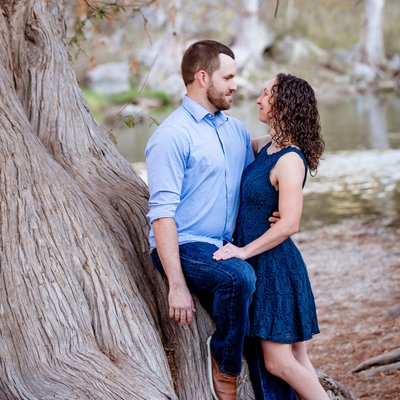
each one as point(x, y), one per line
point(334, 389)
point(370, 49)
point(71, 311)
point(82, 313)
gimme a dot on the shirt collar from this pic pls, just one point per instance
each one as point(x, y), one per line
point(199, 112)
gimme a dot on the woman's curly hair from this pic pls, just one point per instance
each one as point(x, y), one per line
point(294, 117)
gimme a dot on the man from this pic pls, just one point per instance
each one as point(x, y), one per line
point(195, 160)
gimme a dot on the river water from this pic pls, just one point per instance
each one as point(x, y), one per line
point(360, 171)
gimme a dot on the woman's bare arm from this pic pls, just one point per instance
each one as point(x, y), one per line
point(288, 175)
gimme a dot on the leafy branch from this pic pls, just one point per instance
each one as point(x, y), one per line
point(98, 12)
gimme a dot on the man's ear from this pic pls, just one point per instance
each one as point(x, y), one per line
point(202, 78)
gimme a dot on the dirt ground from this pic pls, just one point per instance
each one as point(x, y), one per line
point(354, 268)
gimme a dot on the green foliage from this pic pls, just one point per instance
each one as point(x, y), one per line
point(79, 33)
point(130, 96)
point(123, 97)
point(165, 99)
point(100, 104)
point(130, 121)
point(94, 13)
point(96, 102)
point(153, 121)
point(100, 12)
point(97, 11)
point(93, 98)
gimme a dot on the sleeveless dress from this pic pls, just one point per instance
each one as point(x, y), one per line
point(283, 307)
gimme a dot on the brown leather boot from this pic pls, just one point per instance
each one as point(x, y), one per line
point(223, 386)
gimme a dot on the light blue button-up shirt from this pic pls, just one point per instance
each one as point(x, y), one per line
point(195, 162)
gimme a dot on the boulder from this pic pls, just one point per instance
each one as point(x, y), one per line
point(110, 78)
point(363, 72)
point(246, 88)
point(393, 64)
point(292, 50)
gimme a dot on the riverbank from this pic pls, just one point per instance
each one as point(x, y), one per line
point(354, 268)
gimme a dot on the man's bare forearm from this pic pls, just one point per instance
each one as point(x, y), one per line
point(166, 238)
point(179, 298)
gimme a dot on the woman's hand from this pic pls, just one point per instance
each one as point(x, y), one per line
point(229, 251)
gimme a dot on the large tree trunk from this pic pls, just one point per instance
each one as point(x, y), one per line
point(164, 72)
point(370, 49)
point(82, 313)
point(250, 36)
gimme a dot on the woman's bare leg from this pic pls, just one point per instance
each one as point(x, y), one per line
point(301, 355)
point(280, 361)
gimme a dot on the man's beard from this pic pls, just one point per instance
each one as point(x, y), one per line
point(218, 99)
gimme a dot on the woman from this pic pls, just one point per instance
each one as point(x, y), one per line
point(283, 311)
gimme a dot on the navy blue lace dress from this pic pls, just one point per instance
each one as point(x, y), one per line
point(283, 308)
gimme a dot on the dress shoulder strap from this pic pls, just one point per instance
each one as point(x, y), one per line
point(263, 149)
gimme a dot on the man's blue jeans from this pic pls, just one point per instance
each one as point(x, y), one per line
point(227, 286)
point(225, 289)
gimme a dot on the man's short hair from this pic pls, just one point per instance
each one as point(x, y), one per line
point(202, 55)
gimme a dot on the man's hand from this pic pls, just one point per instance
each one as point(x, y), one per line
point(181, 306)
point(180, 300)
point(274, 218)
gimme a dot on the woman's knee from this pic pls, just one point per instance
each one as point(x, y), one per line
point(278, 367)
point(278, 358)
point(273, 366)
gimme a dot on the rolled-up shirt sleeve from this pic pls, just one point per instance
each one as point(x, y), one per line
point(166, 155)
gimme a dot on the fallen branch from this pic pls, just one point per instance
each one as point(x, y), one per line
point(384, 368)
point(383, 359)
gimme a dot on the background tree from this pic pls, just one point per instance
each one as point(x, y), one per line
point(370, 49)
point(250, 35)
point(167, 52)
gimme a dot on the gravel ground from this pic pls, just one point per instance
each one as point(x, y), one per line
point(354, 268)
